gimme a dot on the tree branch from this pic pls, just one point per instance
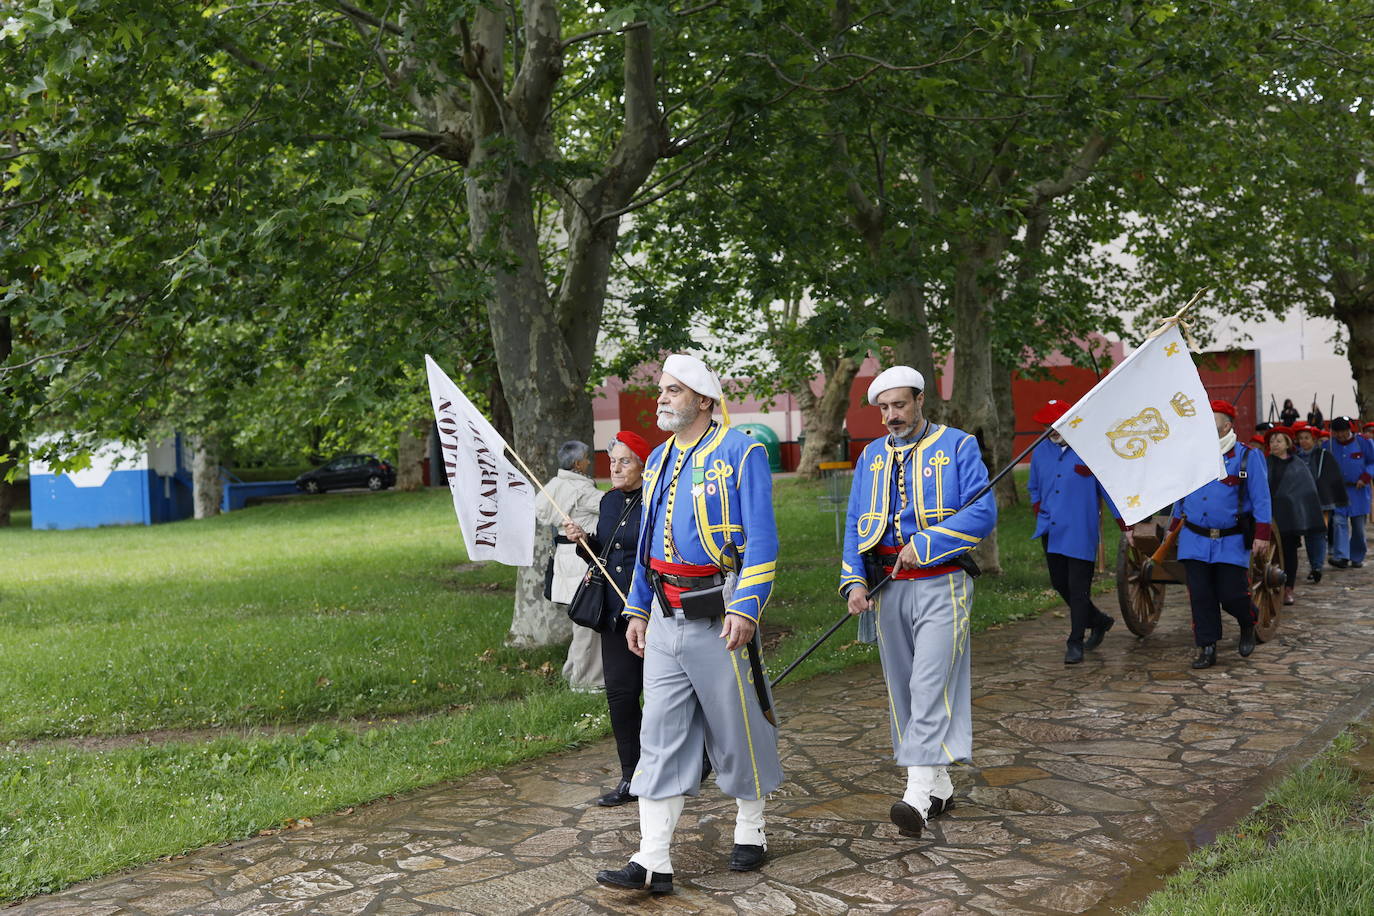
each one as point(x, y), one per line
point(367, 18)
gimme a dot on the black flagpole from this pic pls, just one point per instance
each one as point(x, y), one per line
point(983, 491)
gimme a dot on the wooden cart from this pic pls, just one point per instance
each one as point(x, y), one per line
point(1142, 603)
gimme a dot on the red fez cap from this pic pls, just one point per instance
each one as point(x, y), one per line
point(1052, 411)
point(1226, 407)
point(1368, 425)
point(1299, 425)
point(635, 443)
point(1258, 439)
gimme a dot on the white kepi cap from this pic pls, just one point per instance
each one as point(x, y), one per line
point(895, 377)
point(693, 373)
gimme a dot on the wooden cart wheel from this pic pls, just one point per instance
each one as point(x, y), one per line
point(1266, 576)
point(1140, 605)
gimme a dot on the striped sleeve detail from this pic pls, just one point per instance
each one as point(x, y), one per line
point(635, 612)
point(955, 534)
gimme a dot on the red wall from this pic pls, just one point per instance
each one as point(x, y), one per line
point(1066, 383)
point(1223, 374)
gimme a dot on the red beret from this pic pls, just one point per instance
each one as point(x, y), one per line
point(1226, 407)
point(1268, 433)
point(1368, 425)
point(1052, 411)
point(634, 442)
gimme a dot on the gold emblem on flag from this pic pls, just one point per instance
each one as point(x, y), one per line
point(1171, 350)
point(1075, 421)
point(1130, 438)
point(1183, 405)
point(1133, 502)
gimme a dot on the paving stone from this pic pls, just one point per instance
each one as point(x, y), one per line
point(1083, 778)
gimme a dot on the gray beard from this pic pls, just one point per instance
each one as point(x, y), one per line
point(675, 421)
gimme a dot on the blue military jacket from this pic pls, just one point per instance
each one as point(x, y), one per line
point(1213, 505)
point(1356, 461)
point(919, 486)
point(723, 492)
point(1065, 496)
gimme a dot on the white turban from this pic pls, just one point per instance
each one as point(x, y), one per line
point(693, 373)
point(895, 377)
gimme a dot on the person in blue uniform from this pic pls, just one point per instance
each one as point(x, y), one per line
point(1356, 461)
point(1066, 498)
point(703, 573)
point(1211, 544)
point(905, 520)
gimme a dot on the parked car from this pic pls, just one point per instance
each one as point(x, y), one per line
point(348, 471)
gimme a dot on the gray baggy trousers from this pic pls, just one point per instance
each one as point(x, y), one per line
point(923, 642)
point(695, 691)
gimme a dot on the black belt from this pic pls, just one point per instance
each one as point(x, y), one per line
point(691, 582)
point(1213, 533)
point(688, 583)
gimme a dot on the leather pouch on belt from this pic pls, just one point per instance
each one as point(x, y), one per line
point(703, 602)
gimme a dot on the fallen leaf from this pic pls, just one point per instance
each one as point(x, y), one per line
point(322, 681)
point(439, 741)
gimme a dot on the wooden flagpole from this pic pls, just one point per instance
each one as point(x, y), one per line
point(582, 540)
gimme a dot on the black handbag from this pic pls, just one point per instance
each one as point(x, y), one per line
point(588, 607)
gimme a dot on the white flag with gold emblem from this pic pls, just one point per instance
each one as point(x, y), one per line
point(1146, 430)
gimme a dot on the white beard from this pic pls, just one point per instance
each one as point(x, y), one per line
point(675, 421)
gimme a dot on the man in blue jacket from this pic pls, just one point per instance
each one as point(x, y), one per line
point(1065, 497)
point(905, 520)
point(703, 572)
point(1356, 460)
point(1215, 519)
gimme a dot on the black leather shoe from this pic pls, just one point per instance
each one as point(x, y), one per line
point(939, 806)
point(1096, 633)
point(747, 858)
point(1339, 564)
point(618, 796)
point(908, 820)
point(1073, 653)
point(634, 877)
point(1206, 656)
point(1357, 565)
point(1316, 576)
point(1247, 640)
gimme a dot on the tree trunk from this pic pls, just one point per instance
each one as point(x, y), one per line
point(410, 455)
point(907, 306)
point(823, 416)
point(1354, 307)
point(207, 487)
point(973, 406)
point(544, 342)
point(8, 491)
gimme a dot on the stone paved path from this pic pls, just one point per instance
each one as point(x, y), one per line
point(1089, 782)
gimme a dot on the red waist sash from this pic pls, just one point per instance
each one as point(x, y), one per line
point(923, 572)
point(672, 592)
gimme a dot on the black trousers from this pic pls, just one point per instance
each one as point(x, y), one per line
point(1072, 578)
point(1290, 557)
point(624, 673)
point(1213, 587)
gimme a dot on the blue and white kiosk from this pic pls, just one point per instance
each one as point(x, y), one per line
point(125, 485)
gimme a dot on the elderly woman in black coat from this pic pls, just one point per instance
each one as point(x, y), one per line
point(1296, 505)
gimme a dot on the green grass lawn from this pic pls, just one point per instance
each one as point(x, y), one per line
point(304, 613)
point(1308, 849)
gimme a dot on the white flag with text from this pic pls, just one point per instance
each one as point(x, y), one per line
point(493, 500)
point(1146, 430)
